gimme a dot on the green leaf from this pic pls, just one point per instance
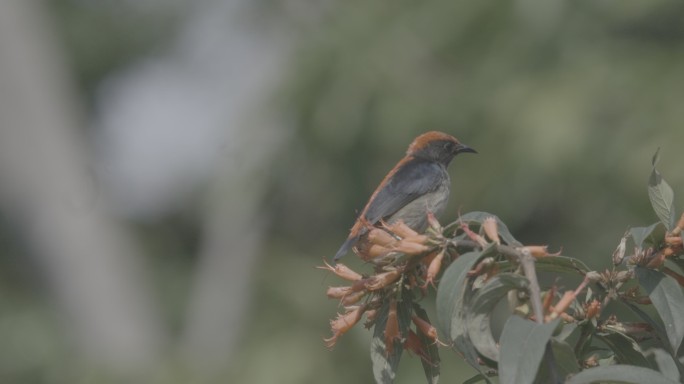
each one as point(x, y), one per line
point(626, 350)
point(650, 236)
point(476, 379)
point(561, 264)
point(453, 293)
point(661, 195)
point(523, 343)
point(666, 364)
point(668, 300)
point(658, 328)
point(431, 367)
point(481, 306)
point(676, 261)
point(478, 217)
point(625, 374)
point(567, 330)
point(384, 365)
point(565, 363)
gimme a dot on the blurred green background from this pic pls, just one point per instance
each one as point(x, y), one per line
point(171, 172)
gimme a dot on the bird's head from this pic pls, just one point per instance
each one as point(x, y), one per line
point(437, 146)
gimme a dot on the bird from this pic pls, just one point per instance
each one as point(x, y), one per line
point(418, 184)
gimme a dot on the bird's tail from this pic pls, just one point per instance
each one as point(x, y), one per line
point(346, 246)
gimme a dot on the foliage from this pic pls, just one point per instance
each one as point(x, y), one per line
point(550, 334)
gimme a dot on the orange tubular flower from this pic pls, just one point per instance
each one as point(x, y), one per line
point(593, 309)
point(433, 222)
point(380, 237)
point(343, 323)
point(426, 329)
point(548, 299)
point(353, 298)
point(381, 280)
point(371, 251)
point(433, 269)
point(416, 346)
point(338, 292)
point(400, 229)
point(410, 248)
point(391, 328)
point(342, 271)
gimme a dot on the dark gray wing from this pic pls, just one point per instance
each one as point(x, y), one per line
point(415, 178)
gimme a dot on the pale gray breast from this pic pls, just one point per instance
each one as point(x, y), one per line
point(414, 214)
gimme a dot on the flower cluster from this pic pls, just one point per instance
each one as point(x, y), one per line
point(403, 260)
point(654, 257)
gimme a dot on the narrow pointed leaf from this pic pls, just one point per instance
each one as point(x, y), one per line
point(566, 360)
point(661, 195)
point(561, 264)
point(658, 328)
point(385, 365)
point(650, 236)
point(481, 307)
point(504, 232)
point(431, 368)
point(626, 350)
point(523, 344)
point(453, 294)
point(565, 363)
point(668, 300)
point(666, 364)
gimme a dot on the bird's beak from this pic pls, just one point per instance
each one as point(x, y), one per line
point(464, 148)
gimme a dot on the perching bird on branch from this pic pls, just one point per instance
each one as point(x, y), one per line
point(418, 184)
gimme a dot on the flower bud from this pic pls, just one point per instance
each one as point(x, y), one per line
point(483, 266)
point(593, 309)
point(342, 271)
point(425, 327)
point(474, 236)
point(410, 248)
point(381, 280)
point(619, 253)
point(372, 251)
point(673, 240)
point(338, 292)
point(624, 276)
point(491, 229)
point(343, 323)
point(380, 237)
point(591, 362)
point(433, 269)
point(400, 229)
point(680, 225)
point(371, 315)
point(433, 222)
point(353, 298)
